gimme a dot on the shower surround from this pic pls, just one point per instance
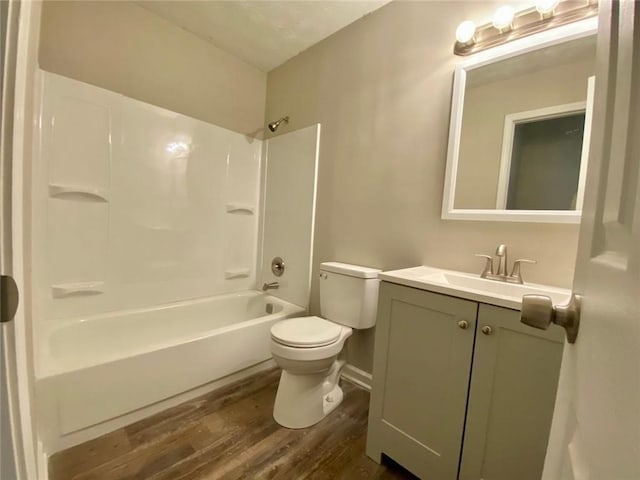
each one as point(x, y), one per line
point(146, 244)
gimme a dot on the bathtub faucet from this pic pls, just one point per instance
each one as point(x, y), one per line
point(270, 286)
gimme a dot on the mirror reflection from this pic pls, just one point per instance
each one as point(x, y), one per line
point(524, 132)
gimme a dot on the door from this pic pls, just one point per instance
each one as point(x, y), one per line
point(511, 397)
point(11, 458)
point(8, 18)
point(424, 344)
point(595, 432)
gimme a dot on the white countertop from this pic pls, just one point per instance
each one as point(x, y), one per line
point(471, 287)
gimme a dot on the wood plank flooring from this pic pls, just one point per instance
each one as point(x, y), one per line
point(231, 434)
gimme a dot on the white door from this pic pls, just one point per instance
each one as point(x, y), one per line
point(595, 433)
point(10, 439)
point(7, 448)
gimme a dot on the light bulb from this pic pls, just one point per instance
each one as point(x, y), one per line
point(546, 7)
point(503, 18)
point(465, 32)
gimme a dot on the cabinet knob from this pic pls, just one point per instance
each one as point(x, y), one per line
point(463, 324)
point(487, 330)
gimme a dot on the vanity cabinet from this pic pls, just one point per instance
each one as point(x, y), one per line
point(460, 389)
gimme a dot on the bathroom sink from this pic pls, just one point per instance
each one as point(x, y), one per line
point(472, 287)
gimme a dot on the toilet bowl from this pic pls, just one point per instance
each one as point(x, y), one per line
point(308, 349)
point(308, 389)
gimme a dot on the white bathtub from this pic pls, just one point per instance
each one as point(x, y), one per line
point(102, 367)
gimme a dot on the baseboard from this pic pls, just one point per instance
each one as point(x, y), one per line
point(355, 375)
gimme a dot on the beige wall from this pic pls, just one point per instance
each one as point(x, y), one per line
point(381, 89)
point(124, 48)
point(485, 108)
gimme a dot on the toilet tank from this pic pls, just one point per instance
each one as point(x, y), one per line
point(349, 294)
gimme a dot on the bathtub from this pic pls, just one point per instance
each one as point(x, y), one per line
point(99, 368)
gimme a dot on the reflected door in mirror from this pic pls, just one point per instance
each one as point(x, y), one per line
point(540, 165)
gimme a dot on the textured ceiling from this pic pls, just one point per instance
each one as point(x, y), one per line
point(263, 33)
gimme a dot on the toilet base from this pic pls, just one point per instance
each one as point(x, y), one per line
point(304, 400)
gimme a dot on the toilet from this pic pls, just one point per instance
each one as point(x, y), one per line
point(308, 348)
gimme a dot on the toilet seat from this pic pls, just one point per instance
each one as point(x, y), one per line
point(306, 332)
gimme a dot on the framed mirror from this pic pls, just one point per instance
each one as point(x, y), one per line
point(520, 129)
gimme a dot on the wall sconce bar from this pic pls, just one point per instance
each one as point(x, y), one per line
point(527, 22)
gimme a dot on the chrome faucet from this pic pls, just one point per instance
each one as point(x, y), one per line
point(501, 274)
point(270, 286)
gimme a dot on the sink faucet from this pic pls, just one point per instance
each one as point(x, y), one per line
point(501, 274)
point(501, 253)
point(270, 286)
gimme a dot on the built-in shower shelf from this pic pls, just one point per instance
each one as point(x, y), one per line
point(237, 273)
point(241, 208)
point(61, 290)
point(78, 192)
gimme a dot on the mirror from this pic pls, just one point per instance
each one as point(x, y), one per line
point(520, 125)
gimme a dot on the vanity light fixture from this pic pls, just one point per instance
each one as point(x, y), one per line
point(508, 24)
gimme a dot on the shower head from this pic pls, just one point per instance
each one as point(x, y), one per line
point(273, 126)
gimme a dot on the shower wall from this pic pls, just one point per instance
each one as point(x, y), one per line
point(289, 211)
point(134, 205)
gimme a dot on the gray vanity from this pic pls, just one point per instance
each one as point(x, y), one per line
point(461, 389)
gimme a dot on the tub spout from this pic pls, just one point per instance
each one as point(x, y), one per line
point(270, 286)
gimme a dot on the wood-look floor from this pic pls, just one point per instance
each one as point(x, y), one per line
point(231, 434)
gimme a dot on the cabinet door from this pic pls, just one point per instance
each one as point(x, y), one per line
point(513, 390)
point(421, 373)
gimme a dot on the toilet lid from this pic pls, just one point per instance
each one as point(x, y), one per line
point(306, 332)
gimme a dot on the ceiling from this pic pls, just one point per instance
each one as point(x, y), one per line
point(263, 33)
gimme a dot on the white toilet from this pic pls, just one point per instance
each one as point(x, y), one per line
point(307, 348)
